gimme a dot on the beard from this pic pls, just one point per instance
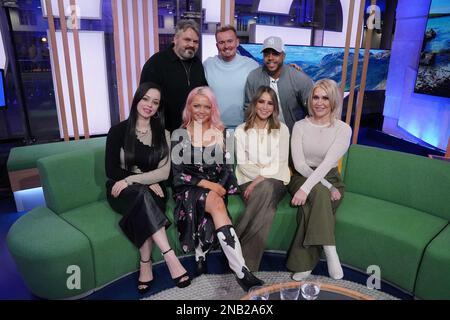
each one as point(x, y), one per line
point(186, 53)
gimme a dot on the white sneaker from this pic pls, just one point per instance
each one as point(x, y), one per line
point(300, 276)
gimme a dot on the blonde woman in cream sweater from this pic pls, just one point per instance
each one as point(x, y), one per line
point(317, 144)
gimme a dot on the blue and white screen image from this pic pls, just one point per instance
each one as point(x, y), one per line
point(433, 74)
point(326, 62)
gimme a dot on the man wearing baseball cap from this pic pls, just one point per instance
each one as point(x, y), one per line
point(292, 86)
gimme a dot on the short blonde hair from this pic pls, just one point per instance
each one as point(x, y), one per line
point(334, 96)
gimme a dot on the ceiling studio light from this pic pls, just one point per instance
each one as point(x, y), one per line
point(279, 6)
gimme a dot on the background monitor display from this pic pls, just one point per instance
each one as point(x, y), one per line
point(326, 62)
point(2, 89)
point(433, 74)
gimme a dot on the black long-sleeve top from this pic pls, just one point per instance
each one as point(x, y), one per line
point(141, 172)
point(177, 78)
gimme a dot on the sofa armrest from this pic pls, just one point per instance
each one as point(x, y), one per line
point(44, 246)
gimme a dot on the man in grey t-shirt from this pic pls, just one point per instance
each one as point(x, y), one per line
point(292, 86)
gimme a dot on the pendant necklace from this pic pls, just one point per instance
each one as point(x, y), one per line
point(187, 71)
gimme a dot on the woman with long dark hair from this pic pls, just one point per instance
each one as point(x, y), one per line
point(262, 171)
point(202, 178)
point(137, 164)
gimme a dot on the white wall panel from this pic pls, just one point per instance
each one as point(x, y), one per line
point(212, 10)
point(2, 53)
point(271, 6)
point(337, 39)
point(89, 9)
point(209, 48)
point(92, 47)
point(297, 36)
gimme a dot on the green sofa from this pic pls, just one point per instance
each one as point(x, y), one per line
point(395, 214)
point(381, 221)
point(78, 228)
point(22, 161)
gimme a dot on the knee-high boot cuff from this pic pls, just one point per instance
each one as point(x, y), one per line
point(232, 249)
point(229, 234)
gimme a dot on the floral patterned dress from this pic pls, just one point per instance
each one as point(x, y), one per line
point(195, 225)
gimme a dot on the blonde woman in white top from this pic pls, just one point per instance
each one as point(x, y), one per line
point(262, 171)
point(317, 144)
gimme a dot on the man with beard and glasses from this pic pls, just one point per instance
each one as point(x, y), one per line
point(292, 86)
point(177, 70)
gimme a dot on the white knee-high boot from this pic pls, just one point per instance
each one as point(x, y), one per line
point(334, 265)
point(232, 248)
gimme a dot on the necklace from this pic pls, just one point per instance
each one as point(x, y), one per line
point(187, 71)
point(142, 131)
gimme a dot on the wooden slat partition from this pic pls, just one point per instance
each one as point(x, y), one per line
point(355, 63)
point(146, 29)
point(362, 86)
point(155, 25)
point(117, 59)
point(76, 40)
point(347, 46)
point(137, 47)
point(130, 10)
point(232, 13)
point(222, 12)
point(65, 41)
point(127, 49)
point(57, 71)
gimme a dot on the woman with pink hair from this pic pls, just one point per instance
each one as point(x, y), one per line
point(202, 178)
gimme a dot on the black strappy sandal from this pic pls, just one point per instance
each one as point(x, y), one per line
point(177, 280)
point(143, 287)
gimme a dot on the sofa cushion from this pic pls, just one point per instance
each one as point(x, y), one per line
point(401, 178)
point(73, 179)
point(114, 255)
point(283, 227)
point(235, 207)
point(376, 232)
point(433, 279)
point(44, 246)
point(21, 158)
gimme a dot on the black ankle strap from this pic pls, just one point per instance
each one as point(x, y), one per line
point(146, 261)
point(170, 249)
